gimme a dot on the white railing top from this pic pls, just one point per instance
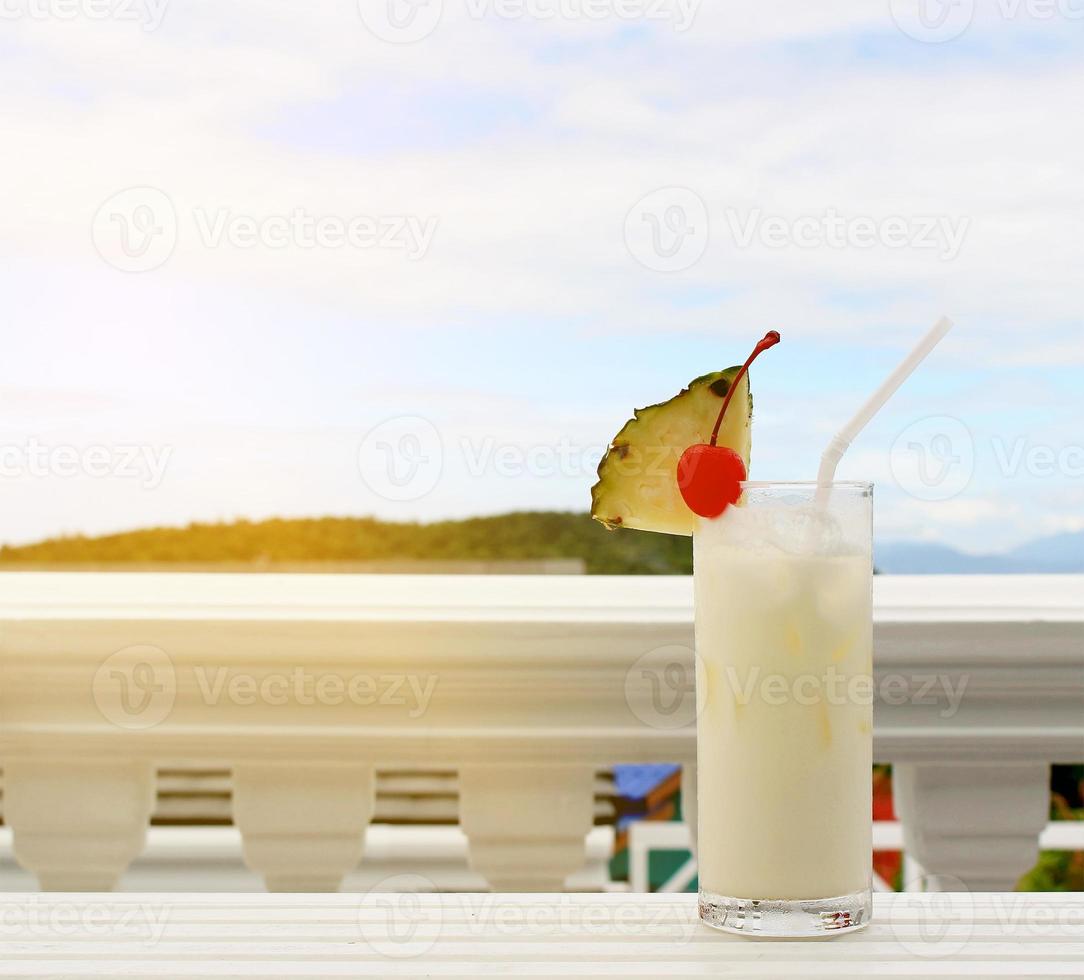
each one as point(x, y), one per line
point(522, 667)
point(496, 598)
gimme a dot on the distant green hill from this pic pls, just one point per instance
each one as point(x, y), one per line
point(527, 536)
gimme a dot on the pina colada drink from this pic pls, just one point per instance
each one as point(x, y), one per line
point(783, 637)
point(783, 647)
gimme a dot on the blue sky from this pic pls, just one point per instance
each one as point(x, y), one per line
point(538, 153)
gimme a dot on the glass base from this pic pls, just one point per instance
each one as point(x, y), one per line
point(782, 919)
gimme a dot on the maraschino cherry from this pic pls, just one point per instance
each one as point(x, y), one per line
point(710, 476)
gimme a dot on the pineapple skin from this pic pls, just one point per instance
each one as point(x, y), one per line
point(637, 486)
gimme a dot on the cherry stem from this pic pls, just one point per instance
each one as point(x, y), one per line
point(771, 338)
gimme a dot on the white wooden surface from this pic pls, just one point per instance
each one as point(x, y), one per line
point(533, 684)
point(381, 934)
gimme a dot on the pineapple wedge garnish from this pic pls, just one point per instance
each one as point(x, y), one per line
point(637, 485)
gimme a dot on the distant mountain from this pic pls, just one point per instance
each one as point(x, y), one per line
point(275, 544)
point(1059, 553)
point(330, 543)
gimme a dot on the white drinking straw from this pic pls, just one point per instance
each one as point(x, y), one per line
point(843, 439)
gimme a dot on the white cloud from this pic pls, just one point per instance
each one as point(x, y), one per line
point(772, 107)
point(533, 220)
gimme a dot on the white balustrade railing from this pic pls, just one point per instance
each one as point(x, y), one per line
point(306, 685)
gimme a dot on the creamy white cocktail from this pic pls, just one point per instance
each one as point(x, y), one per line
point(783, 646)
point(783, 577)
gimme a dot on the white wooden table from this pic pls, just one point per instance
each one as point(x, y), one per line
point(389, 934)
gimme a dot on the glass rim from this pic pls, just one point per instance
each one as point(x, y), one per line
point(866, 485)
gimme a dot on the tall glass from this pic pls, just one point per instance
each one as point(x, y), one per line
point(783, 584)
